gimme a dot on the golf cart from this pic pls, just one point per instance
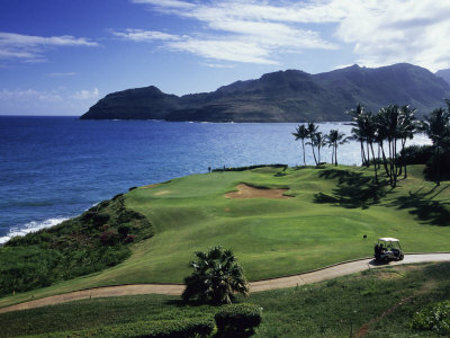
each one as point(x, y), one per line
point(388, 249)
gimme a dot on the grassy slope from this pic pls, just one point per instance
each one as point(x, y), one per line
point(272, 237)
point(327, 309)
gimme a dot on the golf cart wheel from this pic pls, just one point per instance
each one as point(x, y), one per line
point(400, 258)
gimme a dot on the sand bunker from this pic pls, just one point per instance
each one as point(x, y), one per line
point(246, 191)
point(162, 192)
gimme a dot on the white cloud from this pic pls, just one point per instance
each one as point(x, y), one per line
point(166, 3)
point(387, 31)
point(58, 101)
point(226, 50)
point(379, 32)
point(31, 48)
point(140, 35)
point(86, 94)
point(238, 31)
point(29, 95)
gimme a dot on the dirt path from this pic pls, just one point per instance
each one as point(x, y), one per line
point(269, 284)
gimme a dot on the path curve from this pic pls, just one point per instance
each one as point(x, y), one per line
point(319, 275)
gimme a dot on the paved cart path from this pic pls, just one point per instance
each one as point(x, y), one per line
point(263, 285)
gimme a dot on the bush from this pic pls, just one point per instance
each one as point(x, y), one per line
point(417, 154)
point(238, 319)
point(195, 327)
point(433, 318)
point(216, 278)
point(444, 167)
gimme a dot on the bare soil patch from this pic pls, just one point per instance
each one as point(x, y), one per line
point(162, 192)
point(247, 191)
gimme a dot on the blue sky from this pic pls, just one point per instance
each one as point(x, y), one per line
point(58, 57)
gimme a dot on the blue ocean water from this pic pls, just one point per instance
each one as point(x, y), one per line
point(54, 168)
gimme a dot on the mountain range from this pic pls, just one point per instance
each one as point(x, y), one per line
point(285, 96)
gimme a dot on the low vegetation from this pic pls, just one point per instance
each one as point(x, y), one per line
point(377, 302)
point(97, 239)
point(217, 277)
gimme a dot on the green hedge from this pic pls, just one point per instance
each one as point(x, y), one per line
point(238, 319)
point(433, 318)
point(195, 327)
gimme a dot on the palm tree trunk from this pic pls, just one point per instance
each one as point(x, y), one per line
point(314, 154)
point(304, 156)
point(363, 155)
point(368, 154)
point(375, 163)
point(403, 157)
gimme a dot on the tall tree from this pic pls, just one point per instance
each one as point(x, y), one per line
point(335, 138)
point(408, 126)
point(437, 127)
point(358, 129)
point(312, 130)
point(302, 133)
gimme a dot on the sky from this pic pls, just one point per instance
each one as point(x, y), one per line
point(59, 57)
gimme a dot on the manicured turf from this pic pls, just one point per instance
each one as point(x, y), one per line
point(380, 302)
point(332, 208)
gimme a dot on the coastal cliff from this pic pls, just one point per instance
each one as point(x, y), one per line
point(284, 96)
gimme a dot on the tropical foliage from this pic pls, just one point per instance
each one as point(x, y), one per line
point(317, 140)
point(217, 277)
point(437, 127)
point(334, 139)
point(301, 133)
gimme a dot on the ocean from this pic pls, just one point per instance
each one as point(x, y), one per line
point(54, 168)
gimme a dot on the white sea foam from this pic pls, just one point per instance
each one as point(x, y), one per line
point(31, 227)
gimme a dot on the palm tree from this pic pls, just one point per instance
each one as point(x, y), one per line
point(217, 277)
point(335, 138)
point(319, 141)
point(437, 127)
point(408, 126)
point(312, 130)
point(358, 130)
point(301, 133)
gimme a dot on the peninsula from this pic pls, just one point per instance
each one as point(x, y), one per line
point(284, 96)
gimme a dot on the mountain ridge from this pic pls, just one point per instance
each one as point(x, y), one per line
point(284, 96)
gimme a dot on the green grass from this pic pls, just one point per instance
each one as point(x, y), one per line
point(327, 309)
point(323, 224)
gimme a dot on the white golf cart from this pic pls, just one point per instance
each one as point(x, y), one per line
point(388, 249)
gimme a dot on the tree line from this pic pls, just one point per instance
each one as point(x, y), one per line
point(382, 137)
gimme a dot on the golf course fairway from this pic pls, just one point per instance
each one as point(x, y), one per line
point(315, 217)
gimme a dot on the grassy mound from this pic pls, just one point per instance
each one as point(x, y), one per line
point(324, 222)
point(96, 240)
point(376, 303)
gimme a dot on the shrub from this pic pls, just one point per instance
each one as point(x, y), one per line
point(217, 277)
point(434, 318)
point(238, 319)
point(416, 154)
point(109, 237)
point(194, 327)
point(123, 230)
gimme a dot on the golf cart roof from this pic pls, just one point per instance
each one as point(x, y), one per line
point(388, 239)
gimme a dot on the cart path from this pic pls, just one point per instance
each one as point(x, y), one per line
point(330, 272)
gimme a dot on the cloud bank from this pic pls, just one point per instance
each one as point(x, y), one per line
point(31, 48)
point(378, 32)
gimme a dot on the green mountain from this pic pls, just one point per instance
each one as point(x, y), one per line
point(284, 96)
